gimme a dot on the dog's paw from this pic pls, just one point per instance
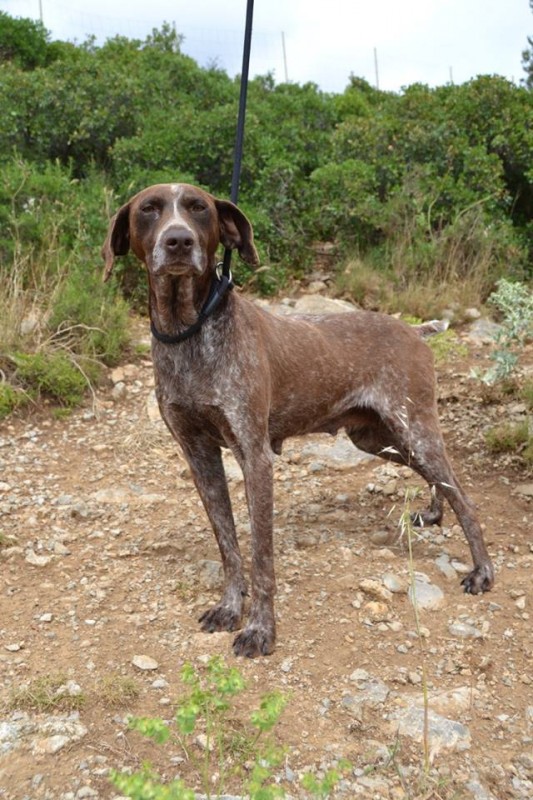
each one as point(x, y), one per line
point(254, 642)
point(481, 579)
point(423, 519)
point(220, 618)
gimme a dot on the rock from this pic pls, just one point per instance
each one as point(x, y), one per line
point(376, 611)
point(144, 663)
point(117, 375)
point(232, 468)
point(394, 584)
point(317, 304)
point(119, 391)
point(443, 733)
point(464, 631)
point(471, 314)
point(210, 573)
point(50, 745)
point(371, 692)
point(477, 789)
point(447, 703)
point(375, 589)
point(482, 331)
point(339, 453)
point(428, 596)
point(315, 287)
point(152, 409)
point(525, 489)
point(36, 560)
point(443, 564)
point(13, 648)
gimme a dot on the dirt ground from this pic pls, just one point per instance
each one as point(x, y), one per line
point(106, 554)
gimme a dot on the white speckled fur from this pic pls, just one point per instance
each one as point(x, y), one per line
point(247, 380)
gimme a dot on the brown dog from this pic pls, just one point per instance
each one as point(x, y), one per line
point(245, 379)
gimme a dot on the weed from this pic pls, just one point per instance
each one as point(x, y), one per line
point(117, 690)
point(205, 712)
point(323, 788)
point(512, 438)
point(514, 301)
point(7, 540)
point(10, 399)
point(48, 693)
point(54, 374)
point(526, 394)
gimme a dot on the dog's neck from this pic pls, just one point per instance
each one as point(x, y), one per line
point(175, 302)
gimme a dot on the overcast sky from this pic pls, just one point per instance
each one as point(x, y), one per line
point(428, 41)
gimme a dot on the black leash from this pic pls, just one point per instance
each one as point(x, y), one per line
point(222, 283)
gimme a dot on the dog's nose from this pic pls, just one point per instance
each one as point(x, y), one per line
point(178, 240)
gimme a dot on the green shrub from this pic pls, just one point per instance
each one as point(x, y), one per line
point(10, 399)
point(55, 375)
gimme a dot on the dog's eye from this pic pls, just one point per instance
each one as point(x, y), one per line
point(197, 207)
point(148, 208)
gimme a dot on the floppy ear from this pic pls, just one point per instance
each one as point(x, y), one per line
point(117, 242)
point(236, 232)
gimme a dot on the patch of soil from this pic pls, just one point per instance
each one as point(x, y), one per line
point(107, 554)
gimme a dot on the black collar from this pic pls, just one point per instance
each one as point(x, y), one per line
point(219, 287)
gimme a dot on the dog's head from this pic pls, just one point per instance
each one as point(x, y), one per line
point(175, 229)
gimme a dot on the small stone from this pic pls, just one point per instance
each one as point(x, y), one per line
point(359, 675)
point(376, 611)
point(375, 589)
point(525, 489)
point(426, 595)
point(51, 744)
point(36, 560)
point(443, 564)
point(464, 631)
point(390, 488)
point(144, 663)
point(119, 391)
point(381, 537)
point(394, 584)
point(47, 617)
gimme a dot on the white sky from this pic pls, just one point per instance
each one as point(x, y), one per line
point(430, 41)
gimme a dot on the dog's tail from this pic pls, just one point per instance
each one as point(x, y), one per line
point(432, 327)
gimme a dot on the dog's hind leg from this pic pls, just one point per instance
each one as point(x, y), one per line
point(378, 440)
point(421, 445)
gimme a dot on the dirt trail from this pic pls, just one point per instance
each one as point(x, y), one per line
point(106, 554)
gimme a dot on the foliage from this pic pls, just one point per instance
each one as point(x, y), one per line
point(427, 193)
point(514, 301)
point(47, 693)
point(514, 438)
point(24, 42)
point(10, 399)
point(206, 707)
point(527, 58)
point(55, 313)
point(53, 374)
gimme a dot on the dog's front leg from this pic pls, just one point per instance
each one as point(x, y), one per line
point(259, 635)
point(205, 460)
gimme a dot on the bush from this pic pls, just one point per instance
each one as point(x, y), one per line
point(55, 375)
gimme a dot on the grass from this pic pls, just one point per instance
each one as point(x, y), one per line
point(47, 693)
point(117, 690)
point(58, 323)
point(514, 438)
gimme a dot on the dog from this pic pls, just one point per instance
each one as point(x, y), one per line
point(230, 374)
